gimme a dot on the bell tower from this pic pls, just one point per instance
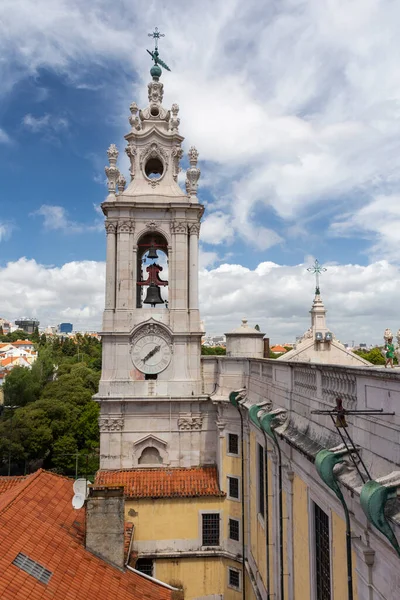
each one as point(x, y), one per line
point(151, 380)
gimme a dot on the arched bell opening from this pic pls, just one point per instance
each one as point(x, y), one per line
point(152, 270)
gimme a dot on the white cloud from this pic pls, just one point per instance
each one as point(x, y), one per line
point(216, 228)
point(54, 294)
point(44, 123)
point(378, 220)
point(294, 105)
point(4, 137)
point(361, 301)
point(56, 218)
point(5, 230)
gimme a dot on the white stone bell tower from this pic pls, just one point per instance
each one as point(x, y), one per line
point(152, 407)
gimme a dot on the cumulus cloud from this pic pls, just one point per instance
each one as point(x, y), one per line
point(54, 294)
point(361, 301)
point(56, 218)
point(378, 220)
point(293, 104)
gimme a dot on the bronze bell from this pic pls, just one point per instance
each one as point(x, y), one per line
point(153, 295)
point(152, 252)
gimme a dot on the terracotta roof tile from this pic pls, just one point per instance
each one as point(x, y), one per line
point(164, 483)
point(278, 348)
point(22, 343)
point(7, 483)
point(37, 519)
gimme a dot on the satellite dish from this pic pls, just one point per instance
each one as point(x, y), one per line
point(78, 501)
point(81, 491)
point(80, 486)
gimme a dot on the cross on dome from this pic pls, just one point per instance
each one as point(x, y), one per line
point(316, 269)
point(156, 35)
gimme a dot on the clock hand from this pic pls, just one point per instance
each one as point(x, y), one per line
point(151, 353)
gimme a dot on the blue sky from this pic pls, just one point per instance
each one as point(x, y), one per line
point(294, 110)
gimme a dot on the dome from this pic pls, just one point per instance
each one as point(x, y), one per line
point(245, 329)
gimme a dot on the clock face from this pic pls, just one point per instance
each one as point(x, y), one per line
point(151, 354)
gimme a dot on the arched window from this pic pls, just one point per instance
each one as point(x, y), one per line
point(152, 271)
point(150, 456)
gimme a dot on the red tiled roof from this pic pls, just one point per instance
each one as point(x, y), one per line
point(278, 348)
point(22, 343)
point(164, 483)
point(37, 519)
point(7, 483)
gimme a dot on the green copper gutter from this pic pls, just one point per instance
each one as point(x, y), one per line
point(325, 461)
point(373, 498)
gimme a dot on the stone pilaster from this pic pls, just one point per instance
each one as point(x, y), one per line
point(111, 229)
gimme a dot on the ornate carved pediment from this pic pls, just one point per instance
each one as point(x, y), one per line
point(190, 423)
point(153, 150)
point(151, 329)
point(110, 226)
point(126, 226)
point(111, 424)
point(178, 227)
point(150, 441)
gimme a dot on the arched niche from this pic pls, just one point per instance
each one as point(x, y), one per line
point(150, 447)
point(152, 268)
point(150, 456)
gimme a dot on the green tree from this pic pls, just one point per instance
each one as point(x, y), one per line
point(214, 350)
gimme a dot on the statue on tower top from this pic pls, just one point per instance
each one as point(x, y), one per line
point(155, 70)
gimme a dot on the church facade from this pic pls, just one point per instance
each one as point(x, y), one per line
point(219, 456)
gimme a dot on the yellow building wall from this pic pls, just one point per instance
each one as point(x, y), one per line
point(339, 560)
point(169, 518)
point(270, 501)
point(257, 529)
point(286, 568)
point(301, 542)
point(199, 577)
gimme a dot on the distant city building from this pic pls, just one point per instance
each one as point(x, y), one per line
point(5, 325)
point(65, 328)
point(28, 325)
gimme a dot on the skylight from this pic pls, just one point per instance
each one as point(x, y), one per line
point(33, 568)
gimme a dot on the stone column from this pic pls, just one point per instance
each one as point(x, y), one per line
point(194, 230)
point(110, 265)
point(134, 277)
point(179, 282)
point(124, 265)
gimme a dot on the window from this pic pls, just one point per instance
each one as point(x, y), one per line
point(261, 481)
point(234, 578)
point(32, 567)
point(322, 554)
point(210, 530)
point(234, 529)
point(145, 565)
point(233, 487)
point(233, 443)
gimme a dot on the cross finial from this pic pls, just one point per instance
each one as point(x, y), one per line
point(156, 35)
point(317, 269)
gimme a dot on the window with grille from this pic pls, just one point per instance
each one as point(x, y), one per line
point(145, 565)
point(233, 443)
point(233, 485)
point(322, 554)
point(234, 578)
point(234, 529)
point(261, 481)
point(210, 532)
point(33, 568)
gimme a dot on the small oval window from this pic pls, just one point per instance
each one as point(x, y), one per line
point(154, 111)
point(154, 168)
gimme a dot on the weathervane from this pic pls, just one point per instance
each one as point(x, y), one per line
point(317, 269)
point(155, 71)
